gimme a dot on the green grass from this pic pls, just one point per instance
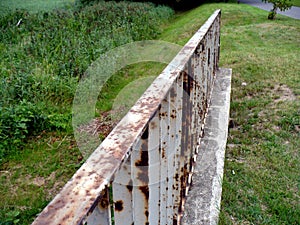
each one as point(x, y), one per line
point(30, 180)
point(295, 3)
point(261, 181)
point(35, 5)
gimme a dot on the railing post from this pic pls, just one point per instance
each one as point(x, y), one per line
point(154, 170)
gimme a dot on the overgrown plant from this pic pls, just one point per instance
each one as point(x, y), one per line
point(278, 4)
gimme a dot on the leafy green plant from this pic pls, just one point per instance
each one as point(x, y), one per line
point(278, 4)
point(16, 123)
point(12, 217)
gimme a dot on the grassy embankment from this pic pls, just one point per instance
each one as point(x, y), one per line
point(261, 181)
point(43, 55)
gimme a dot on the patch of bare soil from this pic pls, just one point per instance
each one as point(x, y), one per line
point(39, 181)
point(100, 126)
point(238, 222)
point(284, 93)
point(55, 189)
point(45, 181)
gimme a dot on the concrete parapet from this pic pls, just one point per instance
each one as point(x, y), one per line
point(203, 201)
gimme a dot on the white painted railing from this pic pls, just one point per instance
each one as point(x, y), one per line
point(142, 171)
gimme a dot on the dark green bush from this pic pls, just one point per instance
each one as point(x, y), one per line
point(16, 123)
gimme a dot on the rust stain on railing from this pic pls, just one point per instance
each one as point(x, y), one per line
point(142, 171)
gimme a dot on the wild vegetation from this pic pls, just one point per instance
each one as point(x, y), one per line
point(38, 79)
point(43, 56)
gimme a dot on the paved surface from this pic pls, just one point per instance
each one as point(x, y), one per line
point(294, 12)
point(203, 201)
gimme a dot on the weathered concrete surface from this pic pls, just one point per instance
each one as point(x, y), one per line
point(203, 201)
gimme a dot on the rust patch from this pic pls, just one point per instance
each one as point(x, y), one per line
point(145, 135)
point(144, 159)
point(129, 186)
point(119, 206)
point(175, 221)
point(163, 153)
point(143, 176)
point(153, 125)
point(104, 201)
point(145, 191)
point(163, 114)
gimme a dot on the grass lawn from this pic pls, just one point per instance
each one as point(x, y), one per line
point(295, 2)
point(261, 181)
point(34, 5)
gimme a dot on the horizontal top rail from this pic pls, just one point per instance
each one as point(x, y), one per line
point(87, 188)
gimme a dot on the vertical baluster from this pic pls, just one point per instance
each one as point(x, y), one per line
point(201, 87)
point(184, 143)
point(217, 41)
point(204, 78)
point(209, 64)
point(140, 180)
point(195, 112)
point(164, 139)
point(102, 212)
point(154, 170)
point(210, 44)
point(122, 194)
point(171, 153)
point(178, 159)
point(198, 93)
point(190, 136)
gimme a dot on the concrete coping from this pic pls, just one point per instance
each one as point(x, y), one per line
point(204, 199)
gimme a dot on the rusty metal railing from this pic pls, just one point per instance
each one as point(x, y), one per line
point(142, 171)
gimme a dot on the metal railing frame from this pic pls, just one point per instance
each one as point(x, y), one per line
point(142, 171)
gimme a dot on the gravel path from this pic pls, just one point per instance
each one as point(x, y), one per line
point(294, 12)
